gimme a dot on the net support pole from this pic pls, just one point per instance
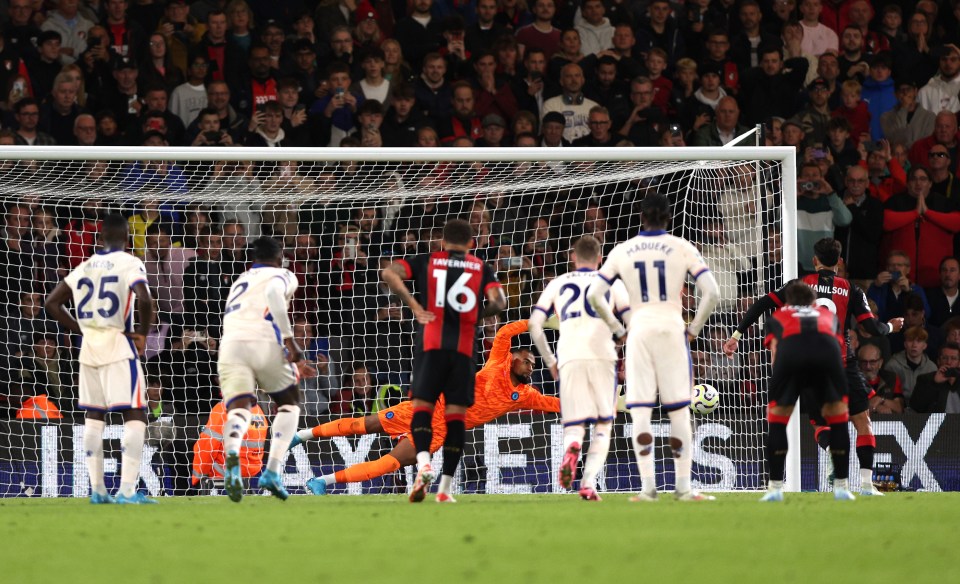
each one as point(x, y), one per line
point(790, 256)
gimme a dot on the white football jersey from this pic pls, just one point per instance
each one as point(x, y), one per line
point(654, 266)
point(583, 334)
point(103, 300)
point(247, 316)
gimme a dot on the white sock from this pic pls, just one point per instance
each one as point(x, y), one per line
point(775, 486)
point(597, 455)
point(134, 432)
point(839, 484)
point(680, 429)
point(446, 483)
point(423, 459)
point(329, 479)
point(646, 463)
point(93, 449)
point(238, 420)
point(284, 427)
point(573, 434)
point(306, 435)
point(866, 479)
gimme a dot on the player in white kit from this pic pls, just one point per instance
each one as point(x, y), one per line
point(654, 267)
point(585, 365)
point(104, 289)
point(258, 348)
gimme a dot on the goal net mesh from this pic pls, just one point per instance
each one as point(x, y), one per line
point(341, 223)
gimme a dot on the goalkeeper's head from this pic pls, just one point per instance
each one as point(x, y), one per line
point(267, 250)
point(656, 211)
point(116, 231)
point(826, 254)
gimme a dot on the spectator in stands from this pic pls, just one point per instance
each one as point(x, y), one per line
point(839, 146)
point(913, 361)
point(914, 59)
point(235, 239)
point(317, 390)
point(939, 391)
point(23, 321)
point(49, 246)
point(852, 60)
point(209, 132)
point(46, 65)
point(419, 33)
point(920, 220)
point(884, 383)
point(747, 47)
point(358, 396)
point(257, 84)
point(907, 122)
point(815, 117)
point(480, 35)
point(158, 69)
point(600, 132)
point(85, 130)
point(551, 130)
point(943, 298)
point(861, 238)
point(820, 212)
point(817, 37)
point(434, 94)
point(465, 122)
point(225, 58)
point(572, 103)
point(662, 31)
point(889, 286)
point(16, 253)
point(596, 32)
point(72, 27)
point(494, 132)
point(725, 127)
point(610, 91)
point(188, 99)
point(166, 265)
point(240, 22)
point(493, 92)
point(854, 110)
point(772, 88)
point(123, 100)
point(532, 89)
point(887, 176)
point(205, 284)
point(374, 85)
point(940, 93)
point(945, 133)
point(336, 111)
point(569, 52)
point(43, 377)
point(541, 34)
point(943, 181)
point(643, 125)
point(81, 233)
point(878, 91)
point(26, 112)
point(400, 124)
point(218, 99)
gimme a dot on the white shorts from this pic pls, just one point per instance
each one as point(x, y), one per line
point(116, 386)
point(658, 362)
point(588, 391)
point(243, 365)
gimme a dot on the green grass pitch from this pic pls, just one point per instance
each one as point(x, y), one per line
point(903, 537)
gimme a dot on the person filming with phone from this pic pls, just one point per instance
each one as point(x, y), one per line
point(819, 212)
point(939, 392)
point(889, 286)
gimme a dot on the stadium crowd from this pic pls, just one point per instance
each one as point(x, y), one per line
point(867, 92)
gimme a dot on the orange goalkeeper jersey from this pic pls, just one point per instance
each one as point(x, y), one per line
point(495, 394)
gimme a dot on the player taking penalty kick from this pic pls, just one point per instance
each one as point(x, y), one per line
point(451, 286)
point(258, 348)
point(654, 267)
point(805, 346)
point(104, 289)
point(586, 365)
point(502, 386)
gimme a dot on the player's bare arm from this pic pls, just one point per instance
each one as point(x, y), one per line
point(496, 302)
point(54, 305)
point(393, 276)
point(145, 315)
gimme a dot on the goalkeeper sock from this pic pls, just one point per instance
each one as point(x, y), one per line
point(681, 442)
point(571, 434)
point(93, 449)
point(284, 427)
point(421, 431)
point(453, 443)
point(341, 427)
point(238, 420)
point(644, 452)
point(597, 456)
point(134, 432)
point(840, 445)
point(364, 471)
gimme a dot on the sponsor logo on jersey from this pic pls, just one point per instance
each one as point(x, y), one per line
point(515, 396)
point(390, 415)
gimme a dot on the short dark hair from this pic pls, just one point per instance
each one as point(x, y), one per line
point(156, 228)
point(115, 228)
point(587, 248)
point(951, 346)
point(798, 293)
point(827, 251)
point(17, 107)
point(457, 232)
point(656, 210)
point(947, 259)
point(266, 249)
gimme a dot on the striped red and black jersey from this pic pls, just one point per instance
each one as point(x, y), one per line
point(453, 286)
point(791, 321)
point(844, 299)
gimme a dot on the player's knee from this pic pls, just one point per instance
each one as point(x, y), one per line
point(645, 442)
point(676, 446)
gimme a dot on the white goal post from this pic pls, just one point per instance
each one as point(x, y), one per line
point(343, 214)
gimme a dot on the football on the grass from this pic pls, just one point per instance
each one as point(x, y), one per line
point(705, 400)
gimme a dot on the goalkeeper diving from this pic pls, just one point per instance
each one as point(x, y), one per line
point(502, 386)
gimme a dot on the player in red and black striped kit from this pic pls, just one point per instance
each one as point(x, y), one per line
point(849, 303)
point(451, 287)
point(806, 350)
